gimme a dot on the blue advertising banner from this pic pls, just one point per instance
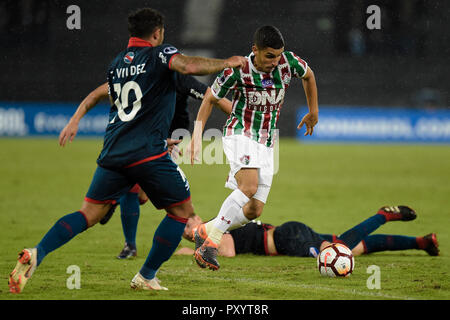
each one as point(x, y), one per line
point(41, 119)
point(378, 124)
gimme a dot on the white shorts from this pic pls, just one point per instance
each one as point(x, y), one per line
point(243, 152)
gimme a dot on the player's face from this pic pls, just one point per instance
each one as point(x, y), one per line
point(267, 59)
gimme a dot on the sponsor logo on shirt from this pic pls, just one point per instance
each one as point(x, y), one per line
point(267, 83)
point(170, 50)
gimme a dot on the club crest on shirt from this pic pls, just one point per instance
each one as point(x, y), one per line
point(286, 78)
point(245, 159)
point(128, 57)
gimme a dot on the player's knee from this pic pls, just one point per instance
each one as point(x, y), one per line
point(94, 212)
point(252, 211)
point(249, 189)
point(184, 210)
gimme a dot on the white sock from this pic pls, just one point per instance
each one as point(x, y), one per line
point(230, 215)
point(240, 221)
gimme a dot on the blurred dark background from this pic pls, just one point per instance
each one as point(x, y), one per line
point(405, 63)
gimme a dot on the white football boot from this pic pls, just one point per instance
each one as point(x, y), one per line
point(140, 283)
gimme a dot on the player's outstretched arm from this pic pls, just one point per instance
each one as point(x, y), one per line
point(225, 105)
point(312, 117)
point(202, 66)
point(70, 130)
point(202, 116)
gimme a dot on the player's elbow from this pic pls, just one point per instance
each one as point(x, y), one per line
point(309, 74)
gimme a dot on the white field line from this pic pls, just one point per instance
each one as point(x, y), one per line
point(320, 288)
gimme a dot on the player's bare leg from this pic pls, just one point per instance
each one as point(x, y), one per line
point(94, 212)
point(253, 209)
point(247, 180)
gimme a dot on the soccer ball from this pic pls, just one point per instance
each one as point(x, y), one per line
point(335, 260)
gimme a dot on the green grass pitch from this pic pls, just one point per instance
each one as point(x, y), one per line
point(329, 187)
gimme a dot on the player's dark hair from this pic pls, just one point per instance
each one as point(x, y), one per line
point(268, 37)
point(143, 22)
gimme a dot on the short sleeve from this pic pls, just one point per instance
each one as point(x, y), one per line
point(165, 53)
point(298, 65)
point(225, 81)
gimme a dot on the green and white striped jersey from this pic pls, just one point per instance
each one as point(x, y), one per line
point(257, 97)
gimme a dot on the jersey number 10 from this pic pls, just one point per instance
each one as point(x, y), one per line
point(122, 100)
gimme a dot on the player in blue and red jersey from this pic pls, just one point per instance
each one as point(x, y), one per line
point(141, 82)
point(186, 87)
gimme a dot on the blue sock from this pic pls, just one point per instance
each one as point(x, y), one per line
point(165, 241)
point(353, 236)
point(383, 242)
point(129, 209)
point(63, 230)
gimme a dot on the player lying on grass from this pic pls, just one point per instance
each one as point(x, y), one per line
point(134, 149)
point(186, 87)
point(297, 239)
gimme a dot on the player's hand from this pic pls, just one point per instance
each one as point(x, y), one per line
point(172, 148)
point(310, 120)
point(235, 62)
point(68, 133)
point(193, 149)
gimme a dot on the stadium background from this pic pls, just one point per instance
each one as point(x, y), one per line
point(405, 64)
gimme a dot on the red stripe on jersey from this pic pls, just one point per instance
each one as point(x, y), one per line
point(230, 126)
point(170, 61)
point(282, 60)
point(227, 72)
point(246, 69)
point(265, 128)
point(278, 114)
point(248, 81)
point(136, 188)
point(248, 121)
point(146, 160)
point(138, 42)
point(300, 60)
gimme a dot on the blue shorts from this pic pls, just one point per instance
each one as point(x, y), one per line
point(296, 239)
point(161, 179)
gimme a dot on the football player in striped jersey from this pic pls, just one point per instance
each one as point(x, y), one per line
point(258, 91)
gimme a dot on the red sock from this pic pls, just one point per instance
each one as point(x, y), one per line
point(421, 242)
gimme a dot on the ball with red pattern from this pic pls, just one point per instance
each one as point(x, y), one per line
point(336, 260)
